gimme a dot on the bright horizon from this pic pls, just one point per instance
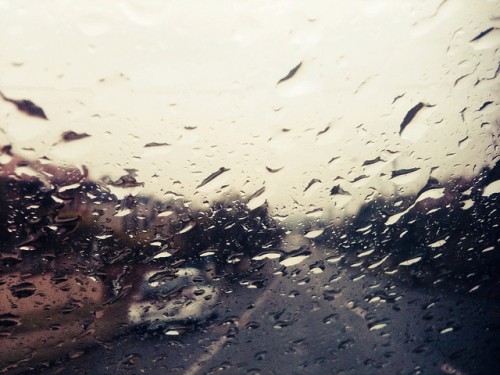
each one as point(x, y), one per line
point(203, 78)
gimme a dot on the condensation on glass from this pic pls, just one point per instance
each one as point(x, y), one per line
point(249, 188)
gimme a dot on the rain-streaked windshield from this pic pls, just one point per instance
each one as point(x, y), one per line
point(234, 187)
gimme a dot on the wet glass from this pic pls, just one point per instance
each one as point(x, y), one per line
point(249, 187)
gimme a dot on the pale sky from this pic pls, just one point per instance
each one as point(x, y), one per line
point(203, 77)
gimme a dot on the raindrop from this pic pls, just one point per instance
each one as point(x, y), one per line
point(293, 261)
point(212, 176)
point(291, 73)
point(492, 188)
point(409, 262)
point(446, 330)
point(23, 290)
point(314, 233)
point(73, 136)
point(26, 106)
point(337, 190)
point(376, 326)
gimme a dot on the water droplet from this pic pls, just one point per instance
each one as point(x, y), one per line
point(438, 243)
point(163, 254)
point(376, 326)
point(376, 264)
point(172, 332)
point(409, 262)
point(267, 255)
point(492, 188)
point(314, 233)
point(446, 330)
point(293, 261)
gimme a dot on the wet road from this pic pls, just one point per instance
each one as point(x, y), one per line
point(328, 322)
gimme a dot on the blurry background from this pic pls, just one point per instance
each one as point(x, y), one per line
point(201, 79)
point(321, 109)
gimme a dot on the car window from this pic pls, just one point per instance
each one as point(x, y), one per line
point(249, 187)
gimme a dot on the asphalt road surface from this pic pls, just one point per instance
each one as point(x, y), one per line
point(329, 322)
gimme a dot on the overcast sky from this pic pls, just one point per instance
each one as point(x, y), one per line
point(203, 78)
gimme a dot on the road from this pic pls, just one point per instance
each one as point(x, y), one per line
point(306, 323)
